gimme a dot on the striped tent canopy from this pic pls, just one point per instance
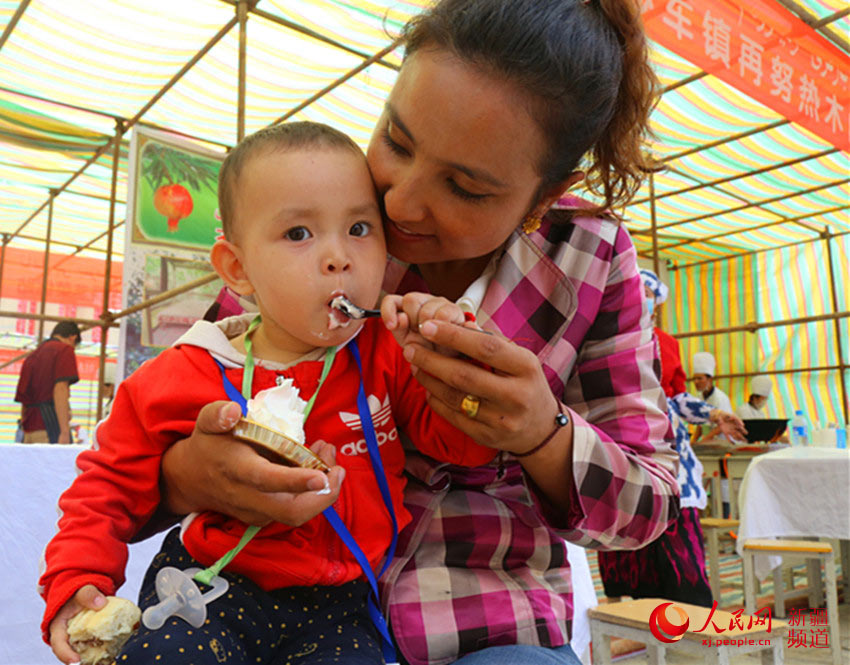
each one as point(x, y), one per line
point(741, 208)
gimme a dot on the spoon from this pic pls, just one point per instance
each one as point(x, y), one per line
point(351, 310)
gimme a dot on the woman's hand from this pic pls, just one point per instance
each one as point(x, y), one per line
point(212, 470)
point(403, 315)
point(87, 598)
point(729, 424)
point(516, 407)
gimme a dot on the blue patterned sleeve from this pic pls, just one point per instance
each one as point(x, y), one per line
point(691, 409)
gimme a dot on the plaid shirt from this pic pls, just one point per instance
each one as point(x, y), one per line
point(481, 565)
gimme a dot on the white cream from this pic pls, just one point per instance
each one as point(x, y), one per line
point(280, 409)
point(337, 319)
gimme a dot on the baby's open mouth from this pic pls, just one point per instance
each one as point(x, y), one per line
point(336, 318)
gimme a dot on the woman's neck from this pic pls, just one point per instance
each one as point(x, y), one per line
point(450, 279)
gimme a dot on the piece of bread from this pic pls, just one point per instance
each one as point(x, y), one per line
point(97, 636)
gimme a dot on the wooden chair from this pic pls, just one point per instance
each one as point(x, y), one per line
point(630, 619)
point(712, 529)
point(814, 552)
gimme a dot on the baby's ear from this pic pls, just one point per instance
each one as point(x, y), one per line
point(228, 261)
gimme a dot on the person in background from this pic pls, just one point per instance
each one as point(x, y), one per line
point(108, 390)
point(704, 366)
point(44, 386)
point(673, 566)
point(752, 409)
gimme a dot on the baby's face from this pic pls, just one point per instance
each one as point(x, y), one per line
point(309, 228)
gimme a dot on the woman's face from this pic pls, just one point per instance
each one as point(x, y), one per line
point(454, 156)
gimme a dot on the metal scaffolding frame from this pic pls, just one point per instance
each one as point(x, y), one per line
point(244, 9)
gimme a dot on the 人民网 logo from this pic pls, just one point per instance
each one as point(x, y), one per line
point(663, 629)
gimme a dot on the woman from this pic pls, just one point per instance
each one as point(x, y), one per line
point(673, 566)
point(493, 110)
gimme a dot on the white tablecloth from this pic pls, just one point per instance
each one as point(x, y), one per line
point(33, 476)
point(799, 491)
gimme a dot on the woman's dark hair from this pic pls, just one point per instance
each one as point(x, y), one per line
point(286, 136)
point(583, 66)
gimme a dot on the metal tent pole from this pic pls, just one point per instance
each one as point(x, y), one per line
point(242, 17)
point(751, 252)
point(105, 315)
point(3, 258)
point(46, 263)
point(10, 26)
point(654, 227)
point(754, 326)
point(338, 82)
point(827, 238)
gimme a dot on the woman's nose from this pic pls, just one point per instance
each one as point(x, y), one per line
point(404, 198)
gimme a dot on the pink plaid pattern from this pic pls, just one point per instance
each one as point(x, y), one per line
point(480, 565)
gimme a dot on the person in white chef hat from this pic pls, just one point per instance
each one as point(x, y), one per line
point(760, 387)
point(704, 366)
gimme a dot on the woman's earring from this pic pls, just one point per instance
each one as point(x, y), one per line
point(531, 223)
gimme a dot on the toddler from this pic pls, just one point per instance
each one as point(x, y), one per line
point(302, 226)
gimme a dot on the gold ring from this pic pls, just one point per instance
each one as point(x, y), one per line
point(470, 405)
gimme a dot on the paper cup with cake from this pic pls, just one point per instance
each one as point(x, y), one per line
point(274, 425)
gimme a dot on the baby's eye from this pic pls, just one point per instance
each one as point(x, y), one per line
point(297, 233)
point(360, 229)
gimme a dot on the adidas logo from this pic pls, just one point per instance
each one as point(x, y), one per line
point(380, 414)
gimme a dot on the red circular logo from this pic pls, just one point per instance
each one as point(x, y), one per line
point(663, 629)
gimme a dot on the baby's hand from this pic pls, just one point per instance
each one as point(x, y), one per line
point(87, 598)
point(404, 314)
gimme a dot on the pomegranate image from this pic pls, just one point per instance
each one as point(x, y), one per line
point(174, 202)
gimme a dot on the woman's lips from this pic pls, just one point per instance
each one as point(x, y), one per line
point(407, 233)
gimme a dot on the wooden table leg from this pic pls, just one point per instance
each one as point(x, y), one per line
point(657, 654)
point(832, 616)
point(600, 644)
point(775, 655)
point(813, 577)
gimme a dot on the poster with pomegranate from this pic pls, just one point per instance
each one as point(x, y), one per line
point(176, 184)
point(171, 224)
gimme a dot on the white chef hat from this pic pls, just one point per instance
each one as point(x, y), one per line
point(761, 385)
point(704, 363)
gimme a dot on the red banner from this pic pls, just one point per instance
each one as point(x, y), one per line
point(765, 51)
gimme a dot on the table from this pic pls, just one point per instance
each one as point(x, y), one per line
point(717, 643)
point(32, 477)
point(799, 491)
point(712, 453)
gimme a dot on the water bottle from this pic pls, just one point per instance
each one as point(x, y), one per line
point(800, 429)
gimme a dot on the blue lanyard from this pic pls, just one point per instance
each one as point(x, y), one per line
point(333, 517)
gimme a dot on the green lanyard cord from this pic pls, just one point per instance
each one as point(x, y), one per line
point(205, 576)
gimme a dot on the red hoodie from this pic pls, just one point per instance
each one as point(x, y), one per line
point(118, 488)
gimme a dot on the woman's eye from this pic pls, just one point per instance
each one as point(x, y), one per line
point(460, 192)
point(392, 145)
point(360, 229)
point(297, 233)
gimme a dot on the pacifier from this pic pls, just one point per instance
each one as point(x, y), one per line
point(180, 596)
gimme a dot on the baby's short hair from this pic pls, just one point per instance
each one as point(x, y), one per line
point(285, 136)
